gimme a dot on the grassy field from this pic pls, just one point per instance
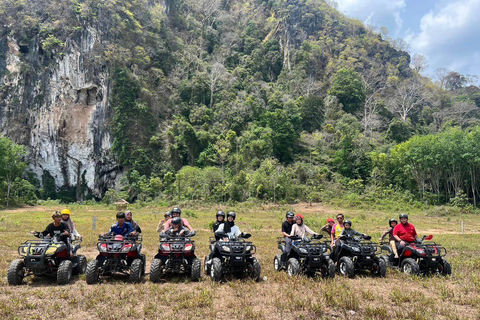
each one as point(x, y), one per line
point(276, 297)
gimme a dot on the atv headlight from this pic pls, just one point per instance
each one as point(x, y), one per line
point(22, 251)
point(356, 249)
point(126, 248)
point(226, 248)
point(188, 247)
point(102, 247)
point(303, 250)
point(421, 252)
point(248, 248)
point(50, 251)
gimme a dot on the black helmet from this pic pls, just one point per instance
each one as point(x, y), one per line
point(232, 214)
point(177, 221)
point(347, 221)
point(392, 220)
point(168, 214)
point(290, 214)
point(176, 210)
point(221, 213)
point(403, 215)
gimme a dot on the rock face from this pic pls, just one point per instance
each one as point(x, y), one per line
point(56, 105)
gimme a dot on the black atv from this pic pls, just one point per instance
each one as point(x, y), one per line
point(232, 255)
point(46, 257)
point(359, 253)
point(307, 257)
point(419, 257)
point(118, 255)
point(176, 255)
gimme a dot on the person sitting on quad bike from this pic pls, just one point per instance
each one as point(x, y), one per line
point(176, 230)
point(392, 223)
point(57, 227)
point(349, 232)
point(299, 229)
point(286, 231)
point(68, 221)
point(229, 228)
point(128, 218)
point(176, 212)
point(122, 227)
point(328, 227)
point(404, 233)
point(337, 229)
point(220, 216)
point(161, 224)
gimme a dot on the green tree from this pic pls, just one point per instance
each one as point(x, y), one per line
point(347, 87)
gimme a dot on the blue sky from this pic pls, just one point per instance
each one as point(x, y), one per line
point(447, 32)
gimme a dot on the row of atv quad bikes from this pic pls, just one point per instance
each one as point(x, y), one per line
point(49, 257)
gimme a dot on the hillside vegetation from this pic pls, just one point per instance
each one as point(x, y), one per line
point(279, 100)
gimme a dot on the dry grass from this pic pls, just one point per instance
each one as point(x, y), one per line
point(278, 297)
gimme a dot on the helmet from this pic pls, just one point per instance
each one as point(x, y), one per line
point(392, 220)
point(220, 213)
point(168, 214)
point(177, 221)
point(66, 211)
point(403, 215)
point(232, 214)
point(176, 210)
point(347, 221)
point(290, 214)
point(299, 216)
point(56, 214)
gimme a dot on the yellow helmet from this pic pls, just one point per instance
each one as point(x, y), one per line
point(66, 211)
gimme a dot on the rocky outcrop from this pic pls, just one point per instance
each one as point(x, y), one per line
point(56, 105)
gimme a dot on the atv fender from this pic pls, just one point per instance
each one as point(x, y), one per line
point(281, 247)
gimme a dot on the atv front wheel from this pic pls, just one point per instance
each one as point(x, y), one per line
point(136, 271)
point(328, 269)
point(277, 262)
point(16, 272)
point(64, 272)
point(196, 270)
point(346, 268)
point(81, 265)
point(257, 269)
point(410, 266)
point(156, 270)
point(92, 274)
point(293, 267)
point(445, 269)
point(382, 268)
point(216, 270)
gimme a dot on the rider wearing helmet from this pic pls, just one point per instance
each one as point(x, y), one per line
point(176, 212)
point(229, 224)
point(176, 230)
point(392, 224)
point(66, 218)
point(404, 233)
point(349, 232)
point(299, 229)
point(167, 216)
point(286, 230)
point(220, 223)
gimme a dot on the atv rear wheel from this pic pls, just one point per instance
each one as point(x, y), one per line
point(156, 270)
point(445, 269)
point(382, 268)
point(277, 262)
point(346, 267)
point(196, 270)
point(92, 274)
point(136, 271)
point(64, 272)
point(16, 272)
point(384, 258)
point(257, 269)
point(328, 269)
point(81, 265)
point(293, 267)
point(216, 270)
point(206, 267)
point(410, 266)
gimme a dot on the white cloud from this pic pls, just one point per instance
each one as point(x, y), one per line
point(449, 36)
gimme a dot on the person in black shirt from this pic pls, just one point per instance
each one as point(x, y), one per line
point(57, 227)
point(220, 222)
point(286, 230)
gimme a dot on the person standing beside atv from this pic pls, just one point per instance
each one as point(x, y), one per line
point(68, 221)
point(176, 212)
point(122, 227)
point(337, 229)
point(392, 224)
point(162, 223)
point(299, 229)
point(128, 218)
point(287, 226)
point(328, 227)
point(404, 233)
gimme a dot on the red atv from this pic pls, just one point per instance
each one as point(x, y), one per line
point(419, 257)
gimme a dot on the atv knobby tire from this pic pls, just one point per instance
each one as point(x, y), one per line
point(346, 267)
point(328, 269)
point(293, 267)
point(16, 272)
point(446, 268)
point(216, 270)
point(81, 265)
point(382, 268)
point(92, 274)
point(196, 273)
point(156, 270)
point(257, 269)
point(410, 266)
point(277, 262)
point(206, 268)
point(64, 272)
point(136, 271)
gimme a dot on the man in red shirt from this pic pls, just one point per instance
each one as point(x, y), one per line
point(404, 233)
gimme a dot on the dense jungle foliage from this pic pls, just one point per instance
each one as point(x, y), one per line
point(280, 100)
